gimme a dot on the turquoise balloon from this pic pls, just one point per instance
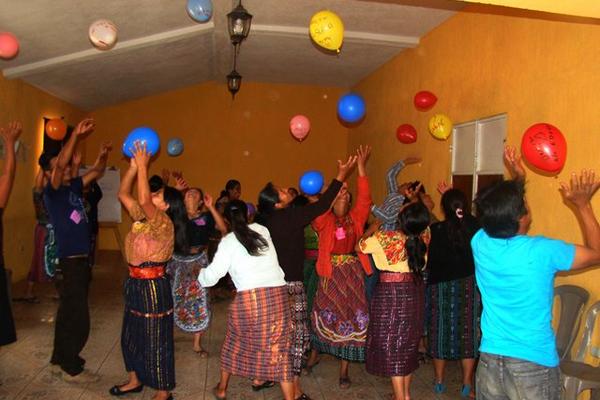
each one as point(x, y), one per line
point(200, 10)
point(143, 134)
point(175, 147)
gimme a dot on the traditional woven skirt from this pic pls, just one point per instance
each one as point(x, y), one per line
point(50, 252)
point(453, 317)
point(8, 333)
point(300, 323)
point(37, 270)
point(190, 299)
point(259, 335)
point(340, 313)
point(147, 335)
point(396, 325)
point(311, 281)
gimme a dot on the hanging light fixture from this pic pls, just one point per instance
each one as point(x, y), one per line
point(234, 79)
point(238, 23)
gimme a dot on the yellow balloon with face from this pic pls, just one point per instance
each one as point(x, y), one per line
point(440, 126)
point(327, 30)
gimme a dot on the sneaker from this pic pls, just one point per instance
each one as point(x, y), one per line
point(439, 388)
point(84, 376)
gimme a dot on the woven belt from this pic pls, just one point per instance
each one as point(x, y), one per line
point(396, 277)
point(150, 315)
point(147, 272)
point(339, 259)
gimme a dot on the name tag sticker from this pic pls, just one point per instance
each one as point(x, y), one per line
point(75, 216)
point(340, 233)
point(200, 222)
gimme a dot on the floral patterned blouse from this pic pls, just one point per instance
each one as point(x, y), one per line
point(388, 249)
point(150, 240)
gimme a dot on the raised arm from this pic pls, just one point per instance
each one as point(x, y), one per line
point(304, 215)
point(142, 159)
point(579, 193)
point(64, 157)
point(125, 196)
point(10, 134)
point(363, 200)
point(99, 167)
point(219, 221)
point(38, 183)
point(75, 163)
point(514, 163)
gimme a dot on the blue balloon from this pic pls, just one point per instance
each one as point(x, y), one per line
point(143, 134)
point(200, 10)
point(175, 147)
point(311, 182)
point(351, 108)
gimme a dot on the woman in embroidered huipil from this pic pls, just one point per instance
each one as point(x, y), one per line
point(159, 228)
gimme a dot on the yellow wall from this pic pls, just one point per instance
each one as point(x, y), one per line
point(217, 133)
point(22, 102)
point(582, 8)
point(480, 65)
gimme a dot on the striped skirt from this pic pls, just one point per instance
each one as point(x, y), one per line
point(37, 270)
point(259, 336)
point(190, 299)
point(147, 335)
point(396, 325)
point(453, 316)
point(300, 323)
point(340, 313)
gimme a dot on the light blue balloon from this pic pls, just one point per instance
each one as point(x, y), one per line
point(143, 134)
point(175, 147)
point(311, 182)
point(200, 10)
point(351, 108)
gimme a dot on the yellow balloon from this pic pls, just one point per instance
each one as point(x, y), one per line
point(440, 126)
point(327, 30)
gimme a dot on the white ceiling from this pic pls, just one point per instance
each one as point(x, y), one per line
point(161, 48)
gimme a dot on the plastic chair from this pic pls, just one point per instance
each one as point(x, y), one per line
point(578, 376)
point(572, 301)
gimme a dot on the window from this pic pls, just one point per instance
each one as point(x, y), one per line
point(477, 153)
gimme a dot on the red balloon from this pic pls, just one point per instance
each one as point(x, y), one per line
point(424, 100)
point(406, 133)
point(544, 147)
point(9, 45)
point(56, 129)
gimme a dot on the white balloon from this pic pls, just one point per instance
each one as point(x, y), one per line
point(103, 34)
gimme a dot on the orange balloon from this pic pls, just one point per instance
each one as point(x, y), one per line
point(56, 129)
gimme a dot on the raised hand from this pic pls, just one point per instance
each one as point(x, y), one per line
point(443, 187)
point(180, 183)
point(87, 125)
point(362, 155)
point(344, 169)
point(580, 189)
point(140, 154)
point(514, 163)
point(166, 175)
point(105, 148)
point(12, 132)
point(208, 201)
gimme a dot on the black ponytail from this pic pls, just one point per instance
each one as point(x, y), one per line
point(178, 215)
point(413, 220)
point(267, 199)
point(236, 213)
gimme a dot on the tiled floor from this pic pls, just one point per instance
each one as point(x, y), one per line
point(24, 372)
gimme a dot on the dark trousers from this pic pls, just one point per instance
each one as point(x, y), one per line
point(72, 328)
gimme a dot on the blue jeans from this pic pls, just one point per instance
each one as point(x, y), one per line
point(501, 378)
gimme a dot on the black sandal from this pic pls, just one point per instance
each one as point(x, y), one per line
point(264, 385)
point(116, 390)
point(345, 383)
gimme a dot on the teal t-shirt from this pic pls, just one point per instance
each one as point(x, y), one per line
point(516, 280)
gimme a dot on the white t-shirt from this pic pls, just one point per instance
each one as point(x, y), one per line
point(247, 272)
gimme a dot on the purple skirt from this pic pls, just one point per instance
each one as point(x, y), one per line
point(395, 327)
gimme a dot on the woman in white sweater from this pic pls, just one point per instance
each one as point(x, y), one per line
point(259, 326)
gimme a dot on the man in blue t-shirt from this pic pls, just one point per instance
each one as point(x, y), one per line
point(63, 197)
point(515, 274)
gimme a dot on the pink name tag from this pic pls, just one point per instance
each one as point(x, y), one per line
point(340, 233)
point(75, 216)
point(200, 222)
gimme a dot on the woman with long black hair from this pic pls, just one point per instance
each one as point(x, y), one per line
point(454, 302)
point(258, 339)
point(159, 228)
point(286, 225)
point(398, 303)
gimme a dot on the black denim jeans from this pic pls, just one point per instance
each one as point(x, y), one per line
point(72, 328)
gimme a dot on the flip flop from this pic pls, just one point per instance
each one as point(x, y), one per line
point(264, 385)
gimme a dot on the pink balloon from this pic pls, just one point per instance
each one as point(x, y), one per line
point(299, 126)
point(9, 45)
